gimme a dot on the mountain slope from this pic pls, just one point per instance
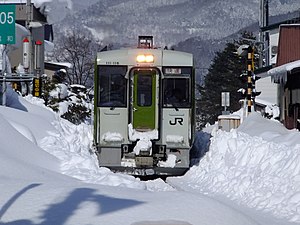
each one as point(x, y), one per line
point(170, 21)
point(199, 26)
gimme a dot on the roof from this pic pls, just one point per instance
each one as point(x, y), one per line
point(276, 25)
point(262, 71)
point(57, 65)
point(161, 57)
point(279, 73)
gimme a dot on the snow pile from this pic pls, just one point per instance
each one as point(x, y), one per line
point(32, 162)
point(174, 138)
point(170, 162)
point(144, 144)
point(60, 92)
point(112, 137)
point(33, 190)
point(72, 145)
point(135, 134)
point(257, 165)
point(41, 154)
point(69, 143)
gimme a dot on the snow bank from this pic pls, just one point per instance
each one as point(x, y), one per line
point(263, 175)
point(71, 144)
point(257, 165)
point(33, 162)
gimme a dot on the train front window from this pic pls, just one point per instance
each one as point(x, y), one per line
point(112, 86)
point(177, 92)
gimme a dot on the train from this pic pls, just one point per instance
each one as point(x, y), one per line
point(144, 109)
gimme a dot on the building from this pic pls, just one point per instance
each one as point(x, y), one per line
point(269, 89)
point(286, 74)
point(279, 66)
point(29, 18)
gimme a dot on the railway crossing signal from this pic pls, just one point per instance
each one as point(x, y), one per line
point(251, 92)
point(249, 77)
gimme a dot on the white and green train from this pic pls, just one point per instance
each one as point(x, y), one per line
point(144, 110)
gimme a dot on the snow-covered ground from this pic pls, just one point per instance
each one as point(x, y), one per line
point(48, 175)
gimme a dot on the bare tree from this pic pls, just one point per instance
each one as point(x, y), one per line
point(79, 48)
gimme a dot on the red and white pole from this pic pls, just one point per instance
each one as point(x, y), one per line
point(26, 53)
point(38, 54)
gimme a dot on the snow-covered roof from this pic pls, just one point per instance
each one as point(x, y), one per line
point(54, 10)
point(64, 64)
point(279, 73)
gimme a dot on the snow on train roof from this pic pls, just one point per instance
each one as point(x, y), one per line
point(161, 57)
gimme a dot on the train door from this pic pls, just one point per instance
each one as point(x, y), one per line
point(144, 100)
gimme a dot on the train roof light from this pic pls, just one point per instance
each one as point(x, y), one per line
point(145, 58)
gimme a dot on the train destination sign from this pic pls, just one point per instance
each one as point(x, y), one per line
point(7, 24)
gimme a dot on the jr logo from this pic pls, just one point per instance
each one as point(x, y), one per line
point(176, 120)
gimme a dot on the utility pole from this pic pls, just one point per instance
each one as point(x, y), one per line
point(264, 36)
point(34, 53)
point(4, 75)
point(27, 24)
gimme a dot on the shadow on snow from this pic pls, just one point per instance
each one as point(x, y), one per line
point(60, 212)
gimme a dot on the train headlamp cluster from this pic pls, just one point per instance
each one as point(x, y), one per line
point(145, 58)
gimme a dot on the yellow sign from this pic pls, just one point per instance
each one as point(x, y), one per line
point(36, 87)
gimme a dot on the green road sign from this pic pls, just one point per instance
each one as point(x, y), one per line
point(7, 24)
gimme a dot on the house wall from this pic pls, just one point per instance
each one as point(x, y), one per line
point(268, 90)
point(289, 94)
point(289, 44)
point(273, 49)
point(292, 101)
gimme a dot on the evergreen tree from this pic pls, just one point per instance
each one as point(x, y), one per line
point(223, 76)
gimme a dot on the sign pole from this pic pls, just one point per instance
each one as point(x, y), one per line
point(225, 101)
point(4, 74)
point(7, 36)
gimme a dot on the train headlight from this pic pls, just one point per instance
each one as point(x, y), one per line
point(149, 58)
point(141, 58)
point(145, 58)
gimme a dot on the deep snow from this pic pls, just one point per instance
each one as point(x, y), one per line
point(50, 176)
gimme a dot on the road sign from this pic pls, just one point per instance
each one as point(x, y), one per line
point(225, 99)
point(7, 24)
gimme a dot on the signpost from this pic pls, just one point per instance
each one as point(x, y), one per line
point(225, 101)
point(7, 24)
point(7, 36)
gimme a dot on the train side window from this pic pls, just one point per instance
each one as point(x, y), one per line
point(112, 87)
point(176, 92)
